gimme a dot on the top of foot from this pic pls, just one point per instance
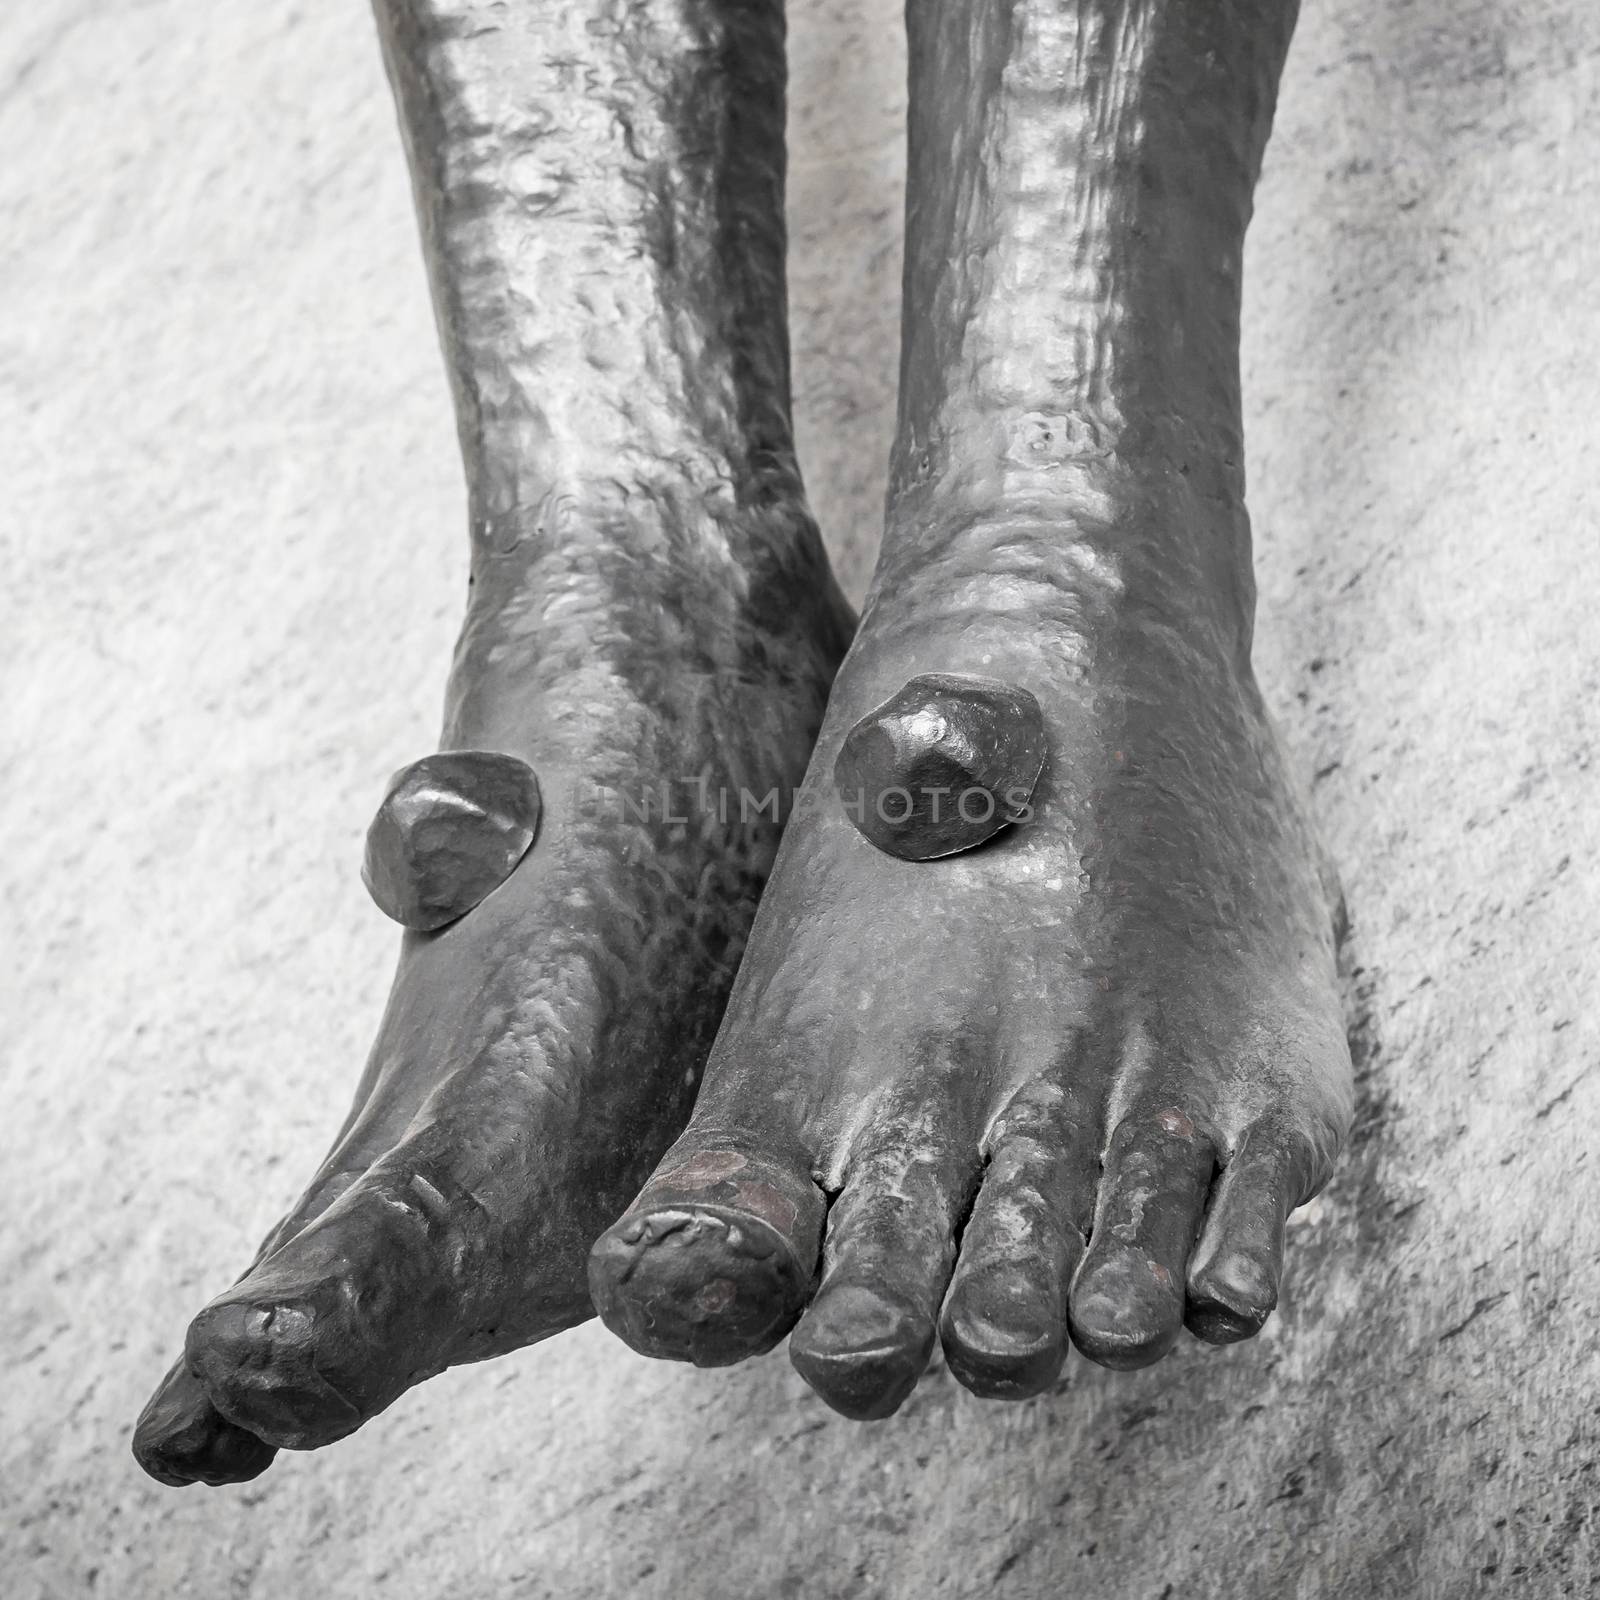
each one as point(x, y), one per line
point(1066, 1086)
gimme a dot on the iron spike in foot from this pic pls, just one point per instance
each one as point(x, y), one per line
point(451, 828)
point(941, 766)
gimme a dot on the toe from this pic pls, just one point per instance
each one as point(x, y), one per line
point(181, 1438)
point(715, 1259)
point(333, 1327)
point(1127, 1300)
point(891, 1241)
point(863, 1347)
point(1236, 1267)
point(1004, 1322)
point(257, 1357)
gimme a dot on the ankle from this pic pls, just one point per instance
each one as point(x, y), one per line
point(727, 578)
point(1088, 551)
point(688, 531)
point(677, 495)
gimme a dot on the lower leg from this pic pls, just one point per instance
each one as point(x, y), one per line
point(600, 190)
point(1103, 1052)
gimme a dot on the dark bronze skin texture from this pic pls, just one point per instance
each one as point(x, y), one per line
point(450, 830)
point(1104, 1052)
point(1064, 1087)
point(941, 766)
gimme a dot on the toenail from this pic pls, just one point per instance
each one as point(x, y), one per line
point(998, 1329)
point(1174, 1122)
point(451, 829)
point(942, 766)
point(1222, 1313)
point(1002, 1352)
point(1236, 1285)
point(852, 1322)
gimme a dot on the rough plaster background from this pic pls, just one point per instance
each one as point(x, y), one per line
point(235, 556)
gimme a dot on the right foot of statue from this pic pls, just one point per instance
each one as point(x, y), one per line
point(539, 1054)
point(1068, 1083)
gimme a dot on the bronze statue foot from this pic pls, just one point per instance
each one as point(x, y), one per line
point(650, 638)
point(1068, 1084)
point(539, 1053)
point(1104, 1052)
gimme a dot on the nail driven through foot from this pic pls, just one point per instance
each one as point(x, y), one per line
point(451, 829)
point(942, 766)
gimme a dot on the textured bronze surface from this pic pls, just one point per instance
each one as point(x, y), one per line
point(234, 551)
point(1067, 1087)
point(451, 829)
point(651, 627)
point(941, 766)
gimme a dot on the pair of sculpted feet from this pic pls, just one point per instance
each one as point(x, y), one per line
point(1065, 1086)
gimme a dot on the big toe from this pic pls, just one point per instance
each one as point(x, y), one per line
point(714, 1261)
point(333, 1327)
point(259, 1358)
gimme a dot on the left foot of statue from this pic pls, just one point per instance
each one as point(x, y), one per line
point(652, 630)
point(538, 1054)
point(1067, 1085)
